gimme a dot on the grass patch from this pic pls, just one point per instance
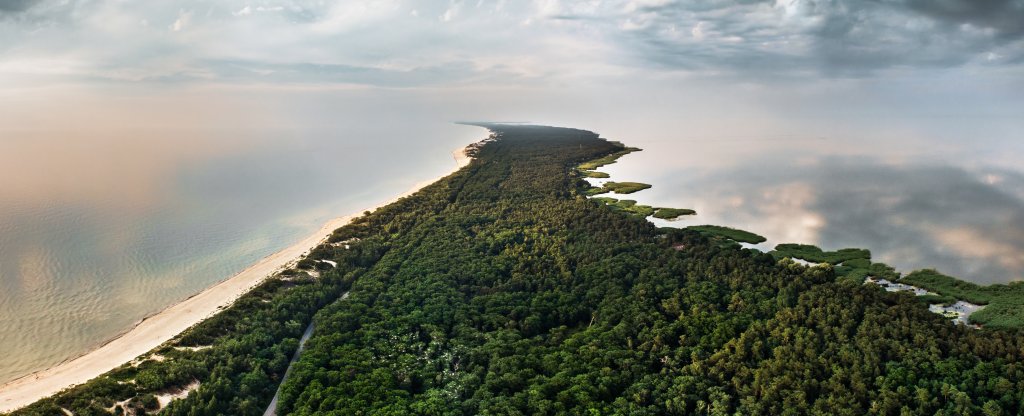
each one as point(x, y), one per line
point(632, 207)
point(883, 270)
point(594, 174)
point(607, 160)
point(616, 187)
point(586, 169)
point(1005, 302)
point(860, 268)
point(947, 285)
point(730, 233)
point(672, 213)
point(816, 255)
point(625, 187)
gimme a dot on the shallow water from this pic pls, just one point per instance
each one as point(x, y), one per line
point(98, 232)
point(950, 208)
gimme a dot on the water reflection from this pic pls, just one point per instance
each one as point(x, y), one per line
point(912, 215)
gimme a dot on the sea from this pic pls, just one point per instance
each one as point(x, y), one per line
point(98, 232)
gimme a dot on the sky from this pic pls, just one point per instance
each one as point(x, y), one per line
point(928, 74)
point(547, 44)
point(410, 44)
point(938, 76)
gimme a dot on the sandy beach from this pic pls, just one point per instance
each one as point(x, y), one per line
point(161, 327)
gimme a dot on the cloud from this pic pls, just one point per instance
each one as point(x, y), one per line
point(865, 36)
point(181, 22)
point(16, 6)
point(831, 37)
point(698, 31)
point(542, 40)
point(1005, 17)
point(305, 73)
point(345, 16)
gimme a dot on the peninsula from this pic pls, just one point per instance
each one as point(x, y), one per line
point(504, 288)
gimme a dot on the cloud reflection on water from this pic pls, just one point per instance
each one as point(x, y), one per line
point(911, 215)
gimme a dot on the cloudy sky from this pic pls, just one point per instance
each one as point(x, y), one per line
point(405, 44)
point(810, 59)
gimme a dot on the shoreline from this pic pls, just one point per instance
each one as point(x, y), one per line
point(155, 329)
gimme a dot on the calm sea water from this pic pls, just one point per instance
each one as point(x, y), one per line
point(955, 207)
point(98, 232)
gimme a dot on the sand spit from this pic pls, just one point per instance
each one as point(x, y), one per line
point(161, 327)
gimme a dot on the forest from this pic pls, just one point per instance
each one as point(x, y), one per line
point(503, 290)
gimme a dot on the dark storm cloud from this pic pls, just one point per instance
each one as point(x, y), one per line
point(16, 6)
point(864, 35)
point(844, 37)
point(1006, 17)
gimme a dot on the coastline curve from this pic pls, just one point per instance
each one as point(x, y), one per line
point(154, 330)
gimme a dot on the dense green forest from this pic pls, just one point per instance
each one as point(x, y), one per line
point(502, 289)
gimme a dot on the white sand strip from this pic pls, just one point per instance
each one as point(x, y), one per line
point(161, 327)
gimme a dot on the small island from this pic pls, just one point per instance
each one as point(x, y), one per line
point(625, 205)
point(617, 187)
point(625, 187)
point(739, 236)
point(630, 206)
point(672, 213)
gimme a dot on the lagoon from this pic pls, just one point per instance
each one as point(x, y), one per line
point(958, 211)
